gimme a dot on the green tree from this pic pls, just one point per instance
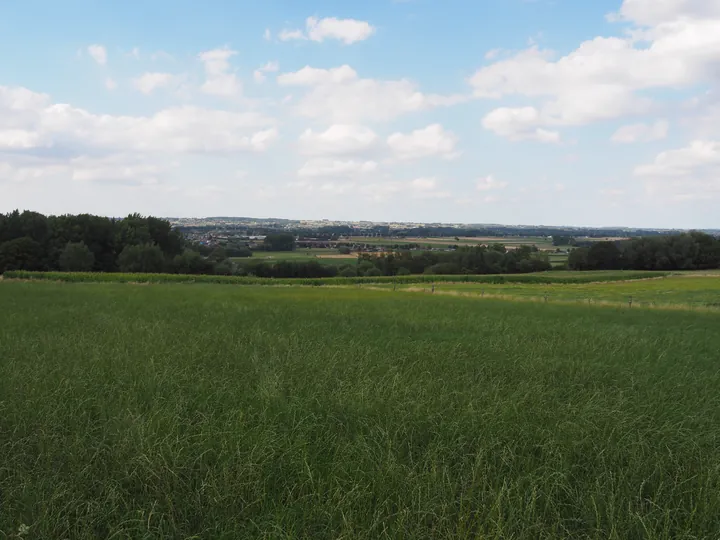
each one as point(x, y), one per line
point(142, 258)
point(604, 256)
point(76, 257)
point(279, 242)
point(21, 254)
point(191, 262)
point(578, 259)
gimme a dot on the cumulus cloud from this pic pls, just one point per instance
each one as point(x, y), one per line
point(147, 83)
point(348, 31)
point(219, 81)
point(260, 74)
point(433, 140)
point(98, 53)
point(519, 124)
point(339, 95)
point(338, 139)
point(641, 132)
point(675, 44)
point(30, 120)
point(688, 173)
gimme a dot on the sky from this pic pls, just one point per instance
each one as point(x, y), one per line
point(545, 112)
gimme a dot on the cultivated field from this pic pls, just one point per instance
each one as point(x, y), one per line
point(689, 290)
point(219, 412)
point(323, 256)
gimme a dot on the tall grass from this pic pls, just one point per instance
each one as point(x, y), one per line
point(545, 277)
point(228, 413)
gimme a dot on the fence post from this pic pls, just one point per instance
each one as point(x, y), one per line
point(630, 301)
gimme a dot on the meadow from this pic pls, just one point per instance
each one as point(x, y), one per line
point(217, 412)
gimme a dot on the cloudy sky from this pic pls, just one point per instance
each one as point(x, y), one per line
point(602, 112)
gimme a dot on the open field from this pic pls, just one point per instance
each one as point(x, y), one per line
point(323, 256)
point(688, 290)
point(201, 411)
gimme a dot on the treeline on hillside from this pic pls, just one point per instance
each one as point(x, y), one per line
point(32, 241)
point(688, 251)
point(495, 259)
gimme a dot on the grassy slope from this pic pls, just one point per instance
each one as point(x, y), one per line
point(168, 411)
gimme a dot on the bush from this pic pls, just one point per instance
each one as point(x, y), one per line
point(344, 250)
point(373, 272)
point(402, 271)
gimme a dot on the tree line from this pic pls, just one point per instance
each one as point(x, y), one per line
point(33, 241)
point(686, 251)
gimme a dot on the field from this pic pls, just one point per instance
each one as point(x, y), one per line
point(689, 291)
point(323, 256)
point(218, 412)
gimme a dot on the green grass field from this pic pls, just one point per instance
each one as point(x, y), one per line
point(216, 412)
point(679, 290)
point(323, 256)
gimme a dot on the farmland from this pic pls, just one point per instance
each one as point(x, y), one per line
point(688, 290)
point(323, 256)
point(208, 411)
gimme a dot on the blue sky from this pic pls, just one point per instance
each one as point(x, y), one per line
point(554, 112)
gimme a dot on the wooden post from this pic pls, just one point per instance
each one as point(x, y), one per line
point(630, 302)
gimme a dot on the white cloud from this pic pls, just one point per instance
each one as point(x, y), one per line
point(267, 35)
point(654, 12)
point(218, 79)
point(338, 139)
point(490, 183)
point(641, 132)
point(110, 84)
point(687, 173)
point(433, 140)
point(289, 35)
point(519, 124)
point(309, 76)
point(98, 53)
point(339, 95)
point(348, 31)
point(120, 169)
point(259, 74)
point(336, 167)
point(676, 45)
point(31, 120)
point(149, 82)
